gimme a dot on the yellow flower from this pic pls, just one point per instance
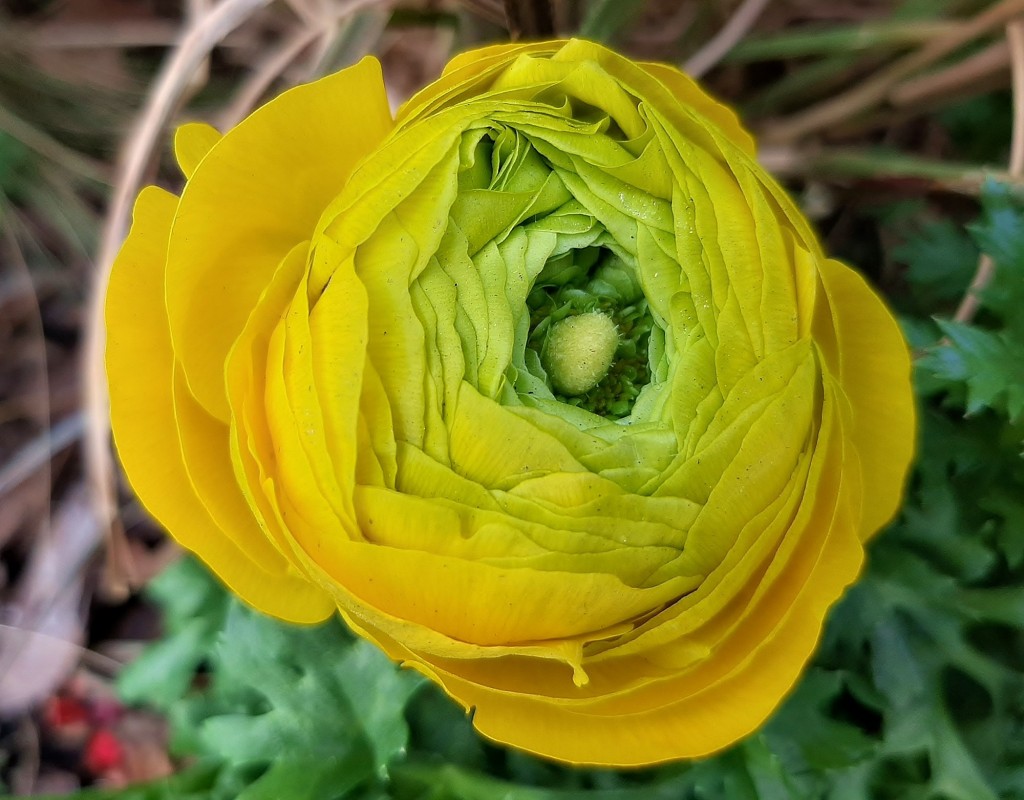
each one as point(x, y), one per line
point(546, 386)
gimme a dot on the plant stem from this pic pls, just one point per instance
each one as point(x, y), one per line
point(832, 41)
point(966, 179)
point(874, 91)
point(529, 19)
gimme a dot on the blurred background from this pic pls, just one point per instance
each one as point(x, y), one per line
point(891, 121)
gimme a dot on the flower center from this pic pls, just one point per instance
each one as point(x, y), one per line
point(579, 350)
point(590, 325)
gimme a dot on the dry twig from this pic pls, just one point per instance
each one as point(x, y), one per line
point(726, 39)
point(36, 455)
point(876, 90)
point(488, 10)
point(986, 266)
point(954, 79)
point(529, 19)
point(80, 35)
point(265, 73)
point(175, 79)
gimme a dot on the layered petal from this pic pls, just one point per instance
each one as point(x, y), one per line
point(140, 371)
point(268, 179)
point(360, 385)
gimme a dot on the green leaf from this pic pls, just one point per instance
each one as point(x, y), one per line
point(1000, 234)
point(306, 693)
point(194, 606)
point(1009, 506)
point(195, 783)
point(316, 778)
point(990, 364)
point(451, 782)
point(806, 726)
point(940, 261)
point(770, 777)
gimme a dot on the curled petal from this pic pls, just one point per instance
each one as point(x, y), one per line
point(546, 386)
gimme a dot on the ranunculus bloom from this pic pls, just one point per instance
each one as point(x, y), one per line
point(545, 385)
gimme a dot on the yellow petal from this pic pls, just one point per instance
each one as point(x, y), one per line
point(139, 369)
point(712, 716)
point(874, 370)
point(496, 448)
point(689, 713)
point(206, 453)
point(268, 180)
point(192, 141)
point(484, 605)
point(688, 92)
point(465, 72)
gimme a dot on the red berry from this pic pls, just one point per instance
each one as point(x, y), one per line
point(103, 752)
point(62, 711)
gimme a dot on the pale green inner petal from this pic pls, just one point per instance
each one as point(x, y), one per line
point(558, 194)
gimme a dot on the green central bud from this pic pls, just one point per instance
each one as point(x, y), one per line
point(590, 327)
point(549, 306)
point(579, 352)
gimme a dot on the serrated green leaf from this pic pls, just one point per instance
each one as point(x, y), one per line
point(322, 778)
point(377, 693)
point(805, 724)
point(164, 672)
point(940, 261)
point(769, 776)
point(933, 525)
point(194, 607)
point(186, 590)
point(1000, 234)
point(991, 366)
point(904, 682)
point(325, 695)
point(957, 776)
point(1000, 231)
point(443, 728)
point(1009, 506)
point(451, 782)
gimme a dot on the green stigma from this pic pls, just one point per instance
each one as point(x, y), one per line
point(579, 352)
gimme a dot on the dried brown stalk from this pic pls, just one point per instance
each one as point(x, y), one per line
point(266, 72)
point(529, 19)
point(726, 39)
point(175, 79)
point(947, 82)
point(986, 266)
point(875, 91)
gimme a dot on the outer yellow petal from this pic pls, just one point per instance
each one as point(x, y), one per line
point(192, 141)
point(711, 718)
point(260, 191)
point(690, 94)
point(691, 712)
point(507, 606)
point(465, 72)
point(140, 368)
point(874, 370)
